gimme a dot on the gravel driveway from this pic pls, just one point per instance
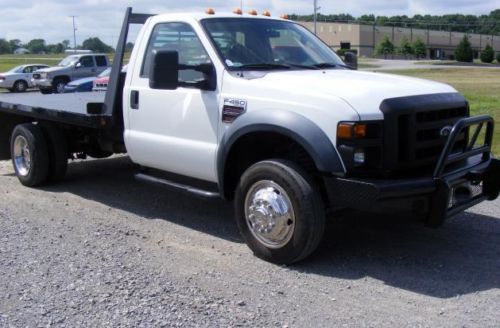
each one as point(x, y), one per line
point(101, 250)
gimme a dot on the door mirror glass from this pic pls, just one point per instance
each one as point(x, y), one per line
point(164, 70)
point(351, 60)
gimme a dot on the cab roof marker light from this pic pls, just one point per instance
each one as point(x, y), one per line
point(253, 12)
point(266, 13)
point(210, 11)
point(238, 11)
point(284, 16)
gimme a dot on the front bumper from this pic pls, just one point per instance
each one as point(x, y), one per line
point(447, 192)
point(42, 83)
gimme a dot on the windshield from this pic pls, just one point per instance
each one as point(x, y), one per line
point(68, 61)
point(268, 44)
point(15, 69)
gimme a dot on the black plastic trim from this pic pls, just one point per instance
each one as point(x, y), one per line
point(290, 124)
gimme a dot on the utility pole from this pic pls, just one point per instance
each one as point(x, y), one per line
point(74, 33)
point(316, 8)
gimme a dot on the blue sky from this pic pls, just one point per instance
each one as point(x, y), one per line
point(48, 19)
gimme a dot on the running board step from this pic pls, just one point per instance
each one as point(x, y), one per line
point(166, 183)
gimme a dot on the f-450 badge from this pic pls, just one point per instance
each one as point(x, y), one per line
point(232, 109)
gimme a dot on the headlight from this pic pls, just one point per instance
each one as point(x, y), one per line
point(360, 145)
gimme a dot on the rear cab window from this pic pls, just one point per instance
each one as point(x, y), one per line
point(101, 61)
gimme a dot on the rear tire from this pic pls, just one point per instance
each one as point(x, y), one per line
point(30, 155)
point(58, 152)
point(279, 211)
point(20, 86)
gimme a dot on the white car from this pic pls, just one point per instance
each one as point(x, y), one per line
point(19, 78)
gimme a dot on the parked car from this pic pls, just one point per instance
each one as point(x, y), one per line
point(101, 83)
point(19, 78)
point(81, 85)
point(71, 68)
point(87, 84)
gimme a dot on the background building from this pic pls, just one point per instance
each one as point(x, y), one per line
point(364, 38)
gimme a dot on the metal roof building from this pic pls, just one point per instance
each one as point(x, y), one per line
point(364, 38)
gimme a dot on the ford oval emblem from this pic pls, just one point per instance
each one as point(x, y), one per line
point(445, 132)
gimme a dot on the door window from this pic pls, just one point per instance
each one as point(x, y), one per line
point(178, 37)
point(87, 61)
point(101, 61)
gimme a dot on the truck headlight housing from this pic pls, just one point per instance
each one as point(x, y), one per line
point(360, 145)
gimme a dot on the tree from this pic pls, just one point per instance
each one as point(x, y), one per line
point(55, 48)
point(385, 47)
point(96, 45)
point(405, 47)
point(498, 58)
point(464, 53)
point(419, 48)
point(15, 44)
point(36, 46)
point(488, 54)
point(5, 47)
point(129, 46)
point(65, 44)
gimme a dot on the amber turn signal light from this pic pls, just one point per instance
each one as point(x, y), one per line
point(351, 130)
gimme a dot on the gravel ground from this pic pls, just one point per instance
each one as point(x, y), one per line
point(101, 250)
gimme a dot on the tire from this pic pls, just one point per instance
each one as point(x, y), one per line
point(31, 138)
point(98, 153)
point(294, 235)
point(46, 91)
point(58, 152)
point(58, 85)
point(20, 86)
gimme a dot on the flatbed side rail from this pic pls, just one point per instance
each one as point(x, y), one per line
point(113, 95)
point(448, 157)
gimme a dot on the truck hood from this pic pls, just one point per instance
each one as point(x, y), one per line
point(52, 69)
point(363, 91)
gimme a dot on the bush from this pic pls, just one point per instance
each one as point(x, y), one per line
point(498, 58)
point(488, 54)
point(419, 48)
point(405, 47)
point(464, 53)
point(385, 47)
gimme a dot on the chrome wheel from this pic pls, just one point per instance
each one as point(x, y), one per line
point(60, 87)
point(269, 214)
point(22, 156)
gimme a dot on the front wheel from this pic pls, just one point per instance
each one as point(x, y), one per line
point(279, 211)
point(59, 85)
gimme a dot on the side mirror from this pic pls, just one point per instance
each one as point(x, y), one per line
point(78, 65)
point(351, 60)
point(164, 70)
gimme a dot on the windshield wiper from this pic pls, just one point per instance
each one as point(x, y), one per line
point(263, 66)
point(330, 65)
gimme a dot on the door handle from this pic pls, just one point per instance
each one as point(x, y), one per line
point(134, 99)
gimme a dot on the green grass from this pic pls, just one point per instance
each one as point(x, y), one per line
point(480, 86)
point(9, 61)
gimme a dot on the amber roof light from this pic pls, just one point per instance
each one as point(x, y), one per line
point(210, 11)
point(253, 12)
point(284, 16)
point(267, 13)
point(238, 11)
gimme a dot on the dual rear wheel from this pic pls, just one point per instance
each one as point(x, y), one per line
point(39, 154)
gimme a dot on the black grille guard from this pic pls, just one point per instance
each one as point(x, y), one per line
point(484, 172)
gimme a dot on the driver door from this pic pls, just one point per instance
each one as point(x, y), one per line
point(173, 130)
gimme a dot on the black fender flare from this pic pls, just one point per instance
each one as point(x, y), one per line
point(290, 124)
